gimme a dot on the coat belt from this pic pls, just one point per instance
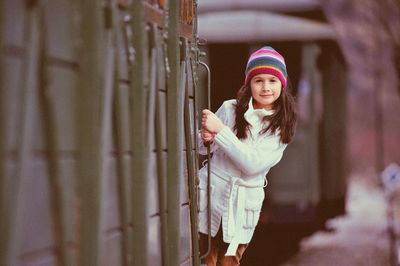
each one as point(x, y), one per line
point(235, 226)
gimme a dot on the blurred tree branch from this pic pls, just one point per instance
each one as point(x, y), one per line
point(388, 14)
point(385, 14)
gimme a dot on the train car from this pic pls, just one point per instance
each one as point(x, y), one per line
point(99, 105)
point(97, 145)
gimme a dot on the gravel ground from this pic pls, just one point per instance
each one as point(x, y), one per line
point(359, 238)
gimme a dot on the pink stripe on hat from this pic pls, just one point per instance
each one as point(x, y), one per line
point(266, 61)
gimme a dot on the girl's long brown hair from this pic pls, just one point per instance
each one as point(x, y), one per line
point(283, 119)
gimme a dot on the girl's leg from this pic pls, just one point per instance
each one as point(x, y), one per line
point(211, 259)
point(217, 257)
point(230, 260)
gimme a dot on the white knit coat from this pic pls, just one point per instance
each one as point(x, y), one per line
point(238, 175)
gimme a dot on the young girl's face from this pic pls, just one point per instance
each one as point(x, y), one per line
point(265, 89)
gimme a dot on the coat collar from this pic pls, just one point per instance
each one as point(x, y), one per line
point(255, 115)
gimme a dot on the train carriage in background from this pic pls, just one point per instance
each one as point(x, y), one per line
point(98, 160)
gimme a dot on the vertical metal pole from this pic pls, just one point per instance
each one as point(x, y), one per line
point(123, 131)
point(139, 138)
point(174, 133)
point(89, 118)
point(121, 135)
point(13, 197)
point(3, 182)
point(175, 171)
point(194, 199)
point(49, 130)
point(160, 132)
point(191, 174)
point(106, 102)
point(208, 166)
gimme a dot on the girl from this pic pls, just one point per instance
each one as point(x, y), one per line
point(247, 136)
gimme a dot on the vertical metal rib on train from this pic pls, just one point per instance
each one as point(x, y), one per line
point(121, 139)
point(208, 167)
point(3, 183)
point(191, 164)
point(160, 132)
point(139, 137)
point(93, 107)
point(57, 199)
point(12, 220)
point(174, 143)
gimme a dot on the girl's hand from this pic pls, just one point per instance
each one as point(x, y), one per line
point(211, 122)
point(207, 136)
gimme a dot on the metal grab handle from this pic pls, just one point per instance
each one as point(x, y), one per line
point(208, 165)
point(130, 52)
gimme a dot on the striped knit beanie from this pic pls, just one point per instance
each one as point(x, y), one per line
point(266, 61)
